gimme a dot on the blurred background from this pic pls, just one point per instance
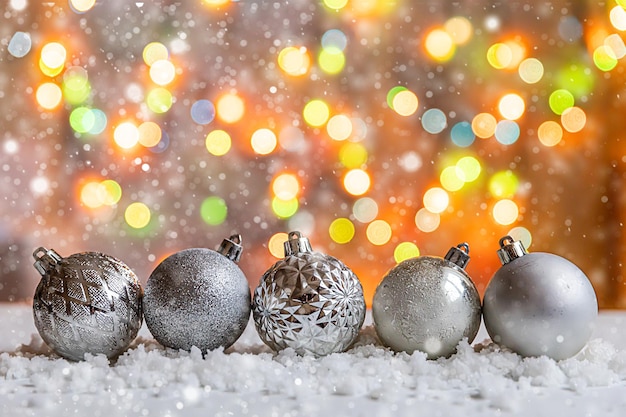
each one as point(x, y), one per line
point(380, 129)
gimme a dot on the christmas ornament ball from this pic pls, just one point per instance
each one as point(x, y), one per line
point(428, 304)
point(308, 301)
point(88, 302)
point(198, 297)
point(539, 303)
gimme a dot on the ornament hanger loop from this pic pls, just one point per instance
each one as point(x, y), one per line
point(231, 248)
point(297, 244)
point(510, 250)
point(46, 259)
point(459, 255)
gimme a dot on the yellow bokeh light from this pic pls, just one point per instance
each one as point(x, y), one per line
point(137, 215)
point(335, 4)
point(440, 45)
point(505, 212)
point(331, 60)
point(218, 142)
point(153, 52)
point(53, 55)
point(294, 61)
point(468, 168)
point(436, 200)
point(82, 6)
point(316, 113)
point(378, 232)
point(405, 103)
point(126, 135)
point(550, 133)
point(503, 184)
point(149, 134)
point(162, 72)
point(353, 155)
point(499, 55)
point(530, 70)
point(276, 244)
point(427, 221)
point(484, 125)
point(404, 251)
point(341, 230)
point(263, 141)
point(49, 95)
point(230, 108)
point(460, 29)
point(284, 208)
point(511, 106)
point(450, 179)
point(573, 119)
point(286, 186)
point(112, 192)
point(339, 127)
point(216, 3)
point(357, 182)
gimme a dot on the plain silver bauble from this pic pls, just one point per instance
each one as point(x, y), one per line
point(308, 301)
point(198, 297)
point(428, 304)
point(539, 303)
point(88, 302)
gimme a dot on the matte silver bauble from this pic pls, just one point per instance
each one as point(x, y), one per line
point(198, 297)
point(428, 304)
point(88, 302)
point(308, 301)
point(539, 303)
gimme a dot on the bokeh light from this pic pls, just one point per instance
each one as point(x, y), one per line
point(450, 180)
point(436, 200)
point(365, 209)
point(503, 184)
point(331, 60)
point(378, 232)
point(434, 121)
point(604, 58)
point(316, 113)
point(213, 210)
point(573, 119)
point(468, 168)
point(137, 215)
point(339, 127)
point(286, 186)
point(49, 96)
point(484, 125)
point(203, 112)
point(82, 6)
point(153, 52)
point(162, 72)
point(82, 120)
point(218, 142)
point(284, 209)
point(507, 132)
point(439, 45)
point(405, 103)
point(617, 16)
point(427, 221)
point(341, 230)
point(522, 234)
point(276, 244)
point(263, 141)
point(159, 100)
point(230, 108)
point(357, 181)
point(149, 134)
point(294, 61)
point(404, 251)
point(462, 134)
point(505, 212)
point(460, 29)
point(531, 70)
point(511, 106)
point(550, 133)
point(560, 100)
point(53, 57)
point(126, 135)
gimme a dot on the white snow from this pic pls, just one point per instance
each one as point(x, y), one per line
point(368, 380)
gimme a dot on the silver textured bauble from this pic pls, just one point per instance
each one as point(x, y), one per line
point(308, 301)
point(198, 297)
point(428, 304)
point(539, 303)
point(86, 303)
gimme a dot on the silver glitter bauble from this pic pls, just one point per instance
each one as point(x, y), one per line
point(428, 304)
point(539, 303)
point(198, 297)
point(86, 303)
point(308, 301)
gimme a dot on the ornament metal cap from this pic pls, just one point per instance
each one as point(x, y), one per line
point(297, 244)
point(510, 250)
point(46, 259)
point(231, 248)
point(459, 255)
